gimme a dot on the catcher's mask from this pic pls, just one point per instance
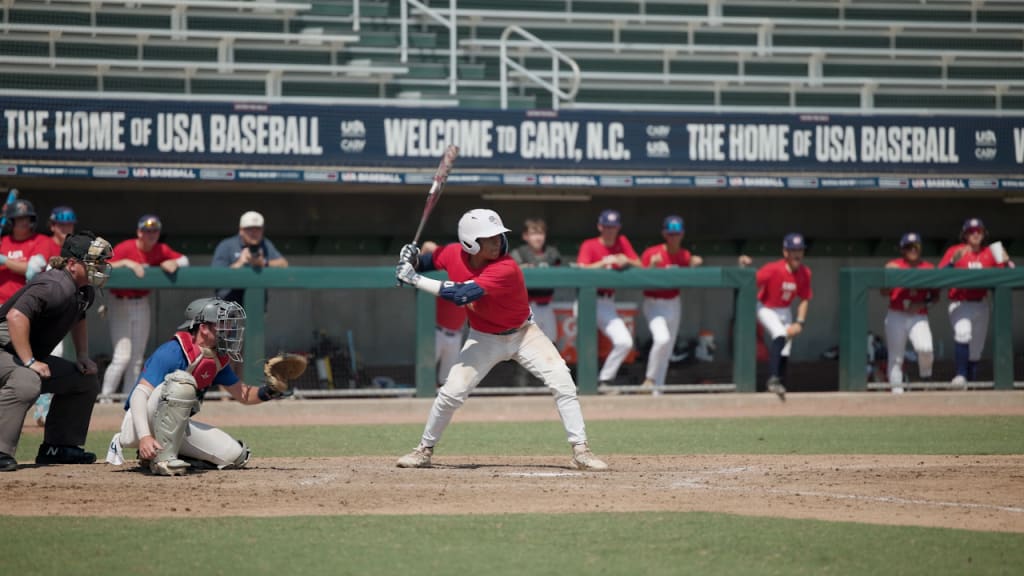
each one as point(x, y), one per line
point(93, 252)
point(227, 319)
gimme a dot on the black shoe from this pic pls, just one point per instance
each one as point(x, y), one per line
point(7, 463)
point(775, 385)
point(53, 454)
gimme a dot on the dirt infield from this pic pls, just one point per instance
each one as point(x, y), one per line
point(972, 492)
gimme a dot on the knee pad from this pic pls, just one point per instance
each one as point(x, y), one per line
point(177, 401)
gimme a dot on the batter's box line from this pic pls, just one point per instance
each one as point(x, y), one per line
point(699, 485)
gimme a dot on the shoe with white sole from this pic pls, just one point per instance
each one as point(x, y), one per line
point(584, 459)
point(775, 386)
point(418, 458)
point(174, 467)
point(959, 382)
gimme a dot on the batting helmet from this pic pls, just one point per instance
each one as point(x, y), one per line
point(63, 215)
point(910, 239)
point(972, 224)
point(481, 223)
point(21, 208)
point(228, 319)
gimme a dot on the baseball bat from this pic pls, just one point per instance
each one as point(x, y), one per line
point(440, 177)
point(12, 195)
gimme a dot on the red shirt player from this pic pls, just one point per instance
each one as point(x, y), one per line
point(778, 283)
point(19, 247)
point(907, 317)
point(610, 250)
point(968, 310)
point(662, 306)
point(484, 279)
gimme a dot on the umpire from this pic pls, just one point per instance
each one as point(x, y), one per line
point(32, 322)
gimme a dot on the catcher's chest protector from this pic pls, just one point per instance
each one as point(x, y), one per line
point(204, 369)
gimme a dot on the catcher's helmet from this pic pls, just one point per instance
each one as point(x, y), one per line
point(19, 209)
point(480, 223)
point(228, 319)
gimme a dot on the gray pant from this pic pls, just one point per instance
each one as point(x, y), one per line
point(74, 395)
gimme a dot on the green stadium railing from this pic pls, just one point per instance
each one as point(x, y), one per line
point(854, 286)
point(257, 282)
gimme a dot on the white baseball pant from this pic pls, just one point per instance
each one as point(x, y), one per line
point(534, 351)
point(663, 315)
point(202, 441)
point(446, 351)
point(899, 326)
point(544, 316)
point(775, 321)
point(129, 331)
point(614, 327)
point(970, 325)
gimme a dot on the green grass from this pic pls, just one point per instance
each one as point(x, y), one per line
point(535, 544)
point(513, 544)
point(798, 435)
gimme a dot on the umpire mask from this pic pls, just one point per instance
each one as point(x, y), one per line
point(93, 252)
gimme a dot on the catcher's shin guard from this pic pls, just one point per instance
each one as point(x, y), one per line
point(177, 400)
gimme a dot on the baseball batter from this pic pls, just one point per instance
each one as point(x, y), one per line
point(969, 307)
point(779, 284)
point(611, 250)
point(536, 253)
point(662, 307)
point(158, 413)
point(129, 308)
point(450, 320)
point(484, 279)
point(907, 316)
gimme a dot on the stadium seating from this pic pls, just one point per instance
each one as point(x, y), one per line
point(843, 55)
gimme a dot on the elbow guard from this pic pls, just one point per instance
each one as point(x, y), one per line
point(461, 293)
point(426, 263)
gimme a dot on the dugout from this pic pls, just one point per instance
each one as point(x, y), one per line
point(364, 225)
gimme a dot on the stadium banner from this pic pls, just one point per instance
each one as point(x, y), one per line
point(285, 137)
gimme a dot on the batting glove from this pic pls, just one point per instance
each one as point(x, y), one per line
point(411, 254)
point(406, 274)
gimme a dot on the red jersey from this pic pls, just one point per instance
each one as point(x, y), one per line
point(593, 250)
point(776, 284)
point(19, 250)
point(129, 250)
point(504, 305)
point(681, 259)
point(970, 260)
point(450, 315)
point(52, 248)
point(911, 299)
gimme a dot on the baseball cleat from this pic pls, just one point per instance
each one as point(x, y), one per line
point(775, 386)
point(174, 467)
point(584, 459)
point(55, 454)
point(647, 387)
point(418, 458)
point(959, 383)
point(7, 463)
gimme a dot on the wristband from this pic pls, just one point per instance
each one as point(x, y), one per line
point(800, 322)
point(30, 362)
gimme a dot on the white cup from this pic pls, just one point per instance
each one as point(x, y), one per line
point(998, 252)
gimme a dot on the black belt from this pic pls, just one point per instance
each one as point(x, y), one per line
point(130, 297)
point(517, 329)
point(447, 332)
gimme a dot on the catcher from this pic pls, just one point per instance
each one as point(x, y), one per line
point(158, 412)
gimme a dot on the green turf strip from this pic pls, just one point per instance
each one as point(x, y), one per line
point(513, 544)
point(797, 435)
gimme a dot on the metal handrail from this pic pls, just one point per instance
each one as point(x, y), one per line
point(453, 33)
point(556, 55)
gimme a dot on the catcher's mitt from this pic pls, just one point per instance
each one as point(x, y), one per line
point(282, 369)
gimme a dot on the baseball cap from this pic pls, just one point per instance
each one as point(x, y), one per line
point(610, 218)
point(909, 239)
point(673, 224)
point(64, 215)
point(794, 241)
point(972, 224)
point(149, 222)
point(251, 219)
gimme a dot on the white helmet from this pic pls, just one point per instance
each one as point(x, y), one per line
point(480, 223)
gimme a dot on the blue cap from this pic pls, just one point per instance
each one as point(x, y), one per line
point(973, 223)
point(794, 241)
point(673, 224)
point(64, 215)
point(149, 222)
point(909, 239)
point(610, 218)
